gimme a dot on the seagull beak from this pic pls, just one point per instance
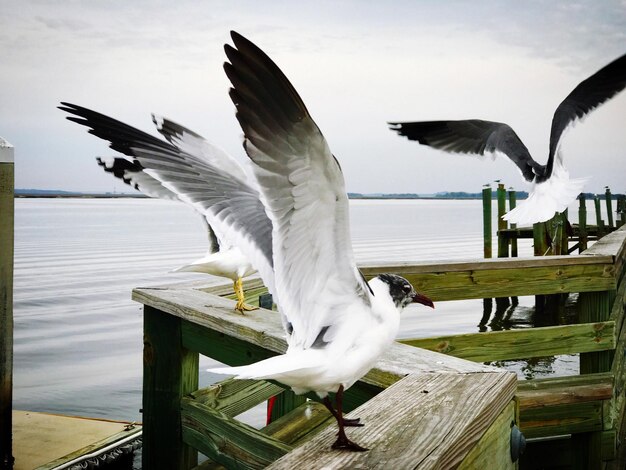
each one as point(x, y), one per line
point(422, 299)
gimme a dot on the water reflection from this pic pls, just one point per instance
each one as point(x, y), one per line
point(509, 314)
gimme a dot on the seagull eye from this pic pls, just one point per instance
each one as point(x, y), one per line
point(406, 288)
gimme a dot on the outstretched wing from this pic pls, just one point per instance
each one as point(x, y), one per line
point(303, 189)
point(588, 95)
point(230, 205)
point(472, 136)
point(131, 172)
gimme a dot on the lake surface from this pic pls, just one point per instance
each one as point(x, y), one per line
point(78, 336)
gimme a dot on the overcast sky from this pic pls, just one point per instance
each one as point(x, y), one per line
point(356, 65)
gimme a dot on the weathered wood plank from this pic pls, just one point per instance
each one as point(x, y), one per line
point(263, 328)
point(226, 440)
point(476, 284)
point(566, 392)
point(450, 414)
point(494, 448)
point(522, 343)
point(170, 372)
point(232, 397)
point(300, 424)
point(561, 419)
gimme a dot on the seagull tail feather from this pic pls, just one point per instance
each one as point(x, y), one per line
point(273, 368)
point(547, 198)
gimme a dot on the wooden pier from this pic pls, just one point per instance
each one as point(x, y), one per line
point(430, 406)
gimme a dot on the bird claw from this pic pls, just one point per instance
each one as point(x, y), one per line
point(241, 307)
point(346, 444)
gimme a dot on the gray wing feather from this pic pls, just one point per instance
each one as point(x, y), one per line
point(473, 136)
point(231, 206)
point(588, 95)
point(304, 193)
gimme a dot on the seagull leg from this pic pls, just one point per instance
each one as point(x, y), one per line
point(342, 441)
point(346, 421)
point(241, 306)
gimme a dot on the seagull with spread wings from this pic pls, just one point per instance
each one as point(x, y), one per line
point(293, 225)
point(552, 189)
point(337, 324)
point(221, 259)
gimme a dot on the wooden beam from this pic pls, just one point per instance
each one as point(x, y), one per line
point(225, 440)
point(170, 372)
point(523, 343)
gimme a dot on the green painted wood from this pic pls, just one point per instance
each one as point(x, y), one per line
point(232, 397)
point(225, 440)
point(504, 277)
point(6, 302)
point(523, 343)
point(494, 448)
point(475, 284)
point(512, 205)
point(582, 223)
point(599, 220)
point(285, 402)
point(594, 307)
point(609, 206)
point(170, 372)
point(301, 424)
point(487, 253)
point(561, 419)
point(503, 243)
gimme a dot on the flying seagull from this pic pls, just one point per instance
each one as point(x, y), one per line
point(221, 259)
point(337, 324)
point(552, 189)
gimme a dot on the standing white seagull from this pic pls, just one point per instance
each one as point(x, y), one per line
point(552, 189)
point(337, 324)
point(221, 259)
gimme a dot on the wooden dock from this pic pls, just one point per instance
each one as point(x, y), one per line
point(46, 441)
point(431, 406)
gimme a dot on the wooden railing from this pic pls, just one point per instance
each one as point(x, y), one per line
point(440, 429)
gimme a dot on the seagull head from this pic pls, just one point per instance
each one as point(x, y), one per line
point(402, 292)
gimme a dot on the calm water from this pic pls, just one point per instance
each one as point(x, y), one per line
point(78, 336)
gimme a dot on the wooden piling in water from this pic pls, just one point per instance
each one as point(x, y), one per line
point(621, 209)
point(7, 191)
point(599, 220)
point(503, 242)
point(512, 204)
point(609, 207)
point(582, 223)
point(487, 222)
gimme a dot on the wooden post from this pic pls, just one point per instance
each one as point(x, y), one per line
point(487, 303)
point(512, 204)
point(170, 372)
point(609, 207)
point(582, 223)
point(599, 221)
point(621, 210)
point(7, 191)
point(593, 307)
point(540, 248)
point(503, 243)
point(487, 222)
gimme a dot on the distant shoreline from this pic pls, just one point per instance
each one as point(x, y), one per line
point(49, 194)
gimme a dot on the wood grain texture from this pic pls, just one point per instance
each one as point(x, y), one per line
point(523, 343)
point(449, 415)
point(494, 448)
